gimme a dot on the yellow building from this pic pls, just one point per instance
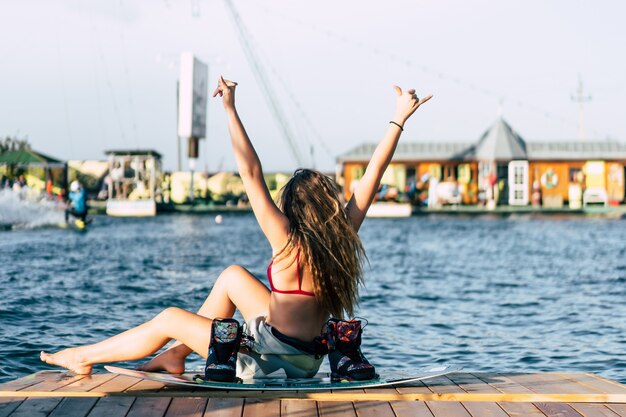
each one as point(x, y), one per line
point(499, 168)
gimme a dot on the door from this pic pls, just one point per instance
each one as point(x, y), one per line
point(615, 182)
point(518, 183)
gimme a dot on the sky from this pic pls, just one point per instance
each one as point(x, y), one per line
point(79, 77)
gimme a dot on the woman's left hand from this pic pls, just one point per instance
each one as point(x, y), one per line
point(226, 90)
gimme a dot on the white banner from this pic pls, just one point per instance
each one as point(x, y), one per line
point(193, 90)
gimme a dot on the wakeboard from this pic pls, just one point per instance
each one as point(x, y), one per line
point(76, 224)
point(319, 382)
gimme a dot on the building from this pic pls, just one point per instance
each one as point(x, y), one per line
point(133, 179)
point(499, 168)
point(41, 172)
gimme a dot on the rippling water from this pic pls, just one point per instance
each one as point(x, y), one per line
point(491, 294)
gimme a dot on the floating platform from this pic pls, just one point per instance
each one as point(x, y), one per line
point(61, 394)
point(473, 210)
point(99, 207)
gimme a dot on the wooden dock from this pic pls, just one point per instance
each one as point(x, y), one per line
point(60, 394)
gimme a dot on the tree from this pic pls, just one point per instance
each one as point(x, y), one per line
point(10, 144)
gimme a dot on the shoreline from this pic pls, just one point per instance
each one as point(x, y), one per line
point(99, 207)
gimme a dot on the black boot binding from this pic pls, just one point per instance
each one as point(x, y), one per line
point(347, 363)
point(221, 364)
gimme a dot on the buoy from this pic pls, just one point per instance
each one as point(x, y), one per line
point(219, 219)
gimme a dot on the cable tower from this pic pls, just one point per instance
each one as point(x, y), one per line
point(263, 79)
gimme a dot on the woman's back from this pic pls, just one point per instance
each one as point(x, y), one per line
point(294, 310)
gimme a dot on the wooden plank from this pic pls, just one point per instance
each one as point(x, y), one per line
point(599, 383)
point(352, 392)
point(552, 383)
point(373, 409)
point(417, 387)
point(146, 385)
point(410, 409)
point(620, 409)
point(8, 404)
point(26, 381)
point(521, 410)
point(586, 383)
point(593, 410)
point(261, 408)
point(149, 407)
point(298, 408)
point(54, 382)
point(502, 383)
point(442, 385)
point(532, 382)
point(484, 409)
point(112, 407)
point(36, 407)
point(470, 383)
point(86, 384)
point(336, 409)
point(74, 407)
point(557, 410)
point(224, 407)
point(119, 383)
point(277, 395)
point(187, 407)
point(447, 409)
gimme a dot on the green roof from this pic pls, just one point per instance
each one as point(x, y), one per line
point(27, 157)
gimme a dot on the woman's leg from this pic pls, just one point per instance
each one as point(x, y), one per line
point(172, 323)
point(234, 288)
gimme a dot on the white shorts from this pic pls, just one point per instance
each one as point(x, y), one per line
point(268, 354)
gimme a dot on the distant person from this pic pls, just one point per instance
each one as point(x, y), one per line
point(17, 186)
point(78, 202)
point(433, 192)
point(107, 184)
point(49, 187)
point(313, 276)
point(117, 177)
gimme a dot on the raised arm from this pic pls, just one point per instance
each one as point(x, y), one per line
point(361, 200)
point(273, 222)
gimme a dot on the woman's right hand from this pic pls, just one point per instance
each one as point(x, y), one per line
point(406, 104)
point(226, 90)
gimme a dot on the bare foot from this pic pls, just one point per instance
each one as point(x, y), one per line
point(67, 358)
point(167, 361)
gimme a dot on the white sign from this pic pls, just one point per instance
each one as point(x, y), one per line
point(193, 89)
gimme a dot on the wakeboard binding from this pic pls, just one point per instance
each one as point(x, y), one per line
point(347, 362)
point(221, 363)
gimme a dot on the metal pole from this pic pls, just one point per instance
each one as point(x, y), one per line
point(192, 150)
point(179, 159)
point(580, 98)
point(192, 165)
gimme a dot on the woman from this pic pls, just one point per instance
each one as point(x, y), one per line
point(314, 273)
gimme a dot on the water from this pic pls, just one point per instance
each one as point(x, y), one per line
point(491, 294)
point(25, 210)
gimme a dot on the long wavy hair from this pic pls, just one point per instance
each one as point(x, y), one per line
point(320, 229)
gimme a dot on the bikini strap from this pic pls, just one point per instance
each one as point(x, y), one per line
point(298, 270)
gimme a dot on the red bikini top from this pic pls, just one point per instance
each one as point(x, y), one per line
point(299, 291)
